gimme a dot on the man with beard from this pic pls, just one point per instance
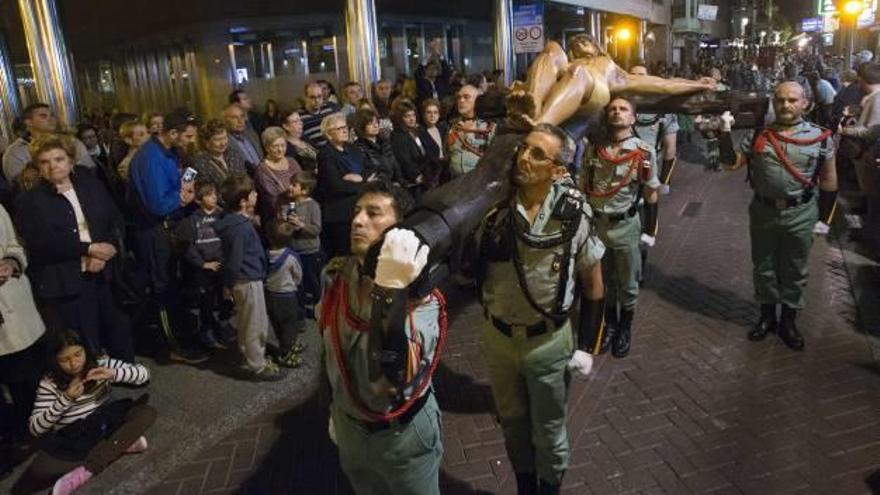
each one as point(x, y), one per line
point(538, 257)
point(786, 162)
point(619, 171)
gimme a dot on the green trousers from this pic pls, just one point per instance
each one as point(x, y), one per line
point(530, 385)
point(781, 242)
point(398, 461)
point(622, 263)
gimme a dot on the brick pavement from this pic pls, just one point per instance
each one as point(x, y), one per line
point(696, 408)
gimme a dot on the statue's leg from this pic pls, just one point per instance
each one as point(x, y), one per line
point(566, 95)
point(544, 72)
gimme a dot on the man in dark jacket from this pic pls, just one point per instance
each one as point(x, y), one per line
point(153, 197)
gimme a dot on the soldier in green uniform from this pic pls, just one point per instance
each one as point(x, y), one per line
point(661, 131)
point(538, 256)
point(786, 162)
point(618, 171)
point(469, 135)
point(384, 416)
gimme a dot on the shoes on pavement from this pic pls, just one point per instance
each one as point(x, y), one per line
point(138, 446)
point(766, 324)
point(72, 481)
point(187, 356)
point(788, 331)
point(270, 373)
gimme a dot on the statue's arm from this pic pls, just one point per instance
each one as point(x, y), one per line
point(657, 85)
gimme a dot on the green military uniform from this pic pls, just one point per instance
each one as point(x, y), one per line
point(380, 455)
point(617, 223)
point(783, 213)
point(527, 351)
point(652, 128)
point(466, 146)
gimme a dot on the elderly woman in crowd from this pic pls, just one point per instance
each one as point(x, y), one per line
point(340, 177)
point(409, 149)
point(298, 148)
point(217, 160)
point(133, 134)
point(274, 173)
point(378, 157)
point(70, 228)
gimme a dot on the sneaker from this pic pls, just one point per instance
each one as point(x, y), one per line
point(270, 373)
point(71, 481)
point(187, 356)
point(290, 360)
point(138, 446)
point(210, 341)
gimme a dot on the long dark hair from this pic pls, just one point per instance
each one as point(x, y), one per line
point(57, 343)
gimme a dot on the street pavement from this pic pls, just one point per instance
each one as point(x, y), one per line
point(695, 408)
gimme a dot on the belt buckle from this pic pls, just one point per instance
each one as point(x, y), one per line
point(781, 204)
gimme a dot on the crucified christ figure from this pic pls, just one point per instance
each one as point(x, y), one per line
point(558, 85)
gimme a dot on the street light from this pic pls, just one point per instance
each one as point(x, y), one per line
point(851, 10)
point(623, 34)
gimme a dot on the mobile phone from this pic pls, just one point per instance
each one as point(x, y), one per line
point(93, 386)
point(189, 174)
point(289, 209)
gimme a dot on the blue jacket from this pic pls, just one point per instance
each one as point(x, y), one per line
point(155, 182)
point(244, 257)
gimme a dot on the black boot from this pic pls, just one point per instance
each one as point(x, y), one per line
point(788, 331)
point(526, 483)
point(547, 488)
point(622, 339)
point(767, 323)
point(611, 324)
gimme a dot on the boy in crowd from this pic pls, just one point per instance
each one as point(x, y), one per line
point(285, 275)
point(243, 272)
point(305, 216)
point(203, 257)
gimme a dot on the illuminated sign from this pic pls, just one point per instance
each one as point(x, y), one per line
point(825, 7)
point(812, 24)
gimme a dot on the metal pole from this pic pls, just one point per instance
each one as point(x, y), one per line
point(503, 46)
point(10, 106)
point(48, 54)
point(362, 41)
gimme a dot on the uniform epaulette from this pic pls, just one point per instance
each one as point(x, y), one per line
point(644, 146)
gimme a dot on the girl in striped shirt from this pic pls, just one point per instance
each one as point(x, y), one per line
point(83, 430)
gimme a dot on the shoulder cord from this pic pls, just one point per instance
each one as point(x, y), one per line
point(338, 296)
point(635, 156)
point(774, 137)
point(481, 133)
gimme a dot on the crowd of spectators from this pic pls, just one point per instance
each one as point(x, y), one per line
point(221, 224)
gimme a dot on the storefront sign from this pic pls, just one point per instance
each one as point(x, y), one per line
point(707, 12)
point(812, 24)
point(825, 7)
point(528, 28)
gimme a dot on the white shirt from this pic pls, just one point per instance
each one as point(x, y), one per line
point(81, 225)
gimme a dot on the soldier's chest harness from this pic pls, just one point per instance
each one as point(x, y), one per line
point(500, 245)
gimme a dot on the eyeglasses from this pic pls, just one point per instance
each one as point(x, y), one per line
point(537, 154)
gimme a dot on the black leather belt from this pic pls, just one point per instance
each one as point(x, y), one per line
point(783, 203)
point(402, 420)
point(535, 330)
point(616, 217)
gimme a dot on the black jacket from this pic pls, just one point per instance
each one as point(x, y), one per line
point(336, 195)
point(379, 159)
point(411, 157)
point(47, 225)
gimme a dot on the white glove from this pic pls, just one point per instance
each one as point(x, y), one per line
point(821, 228)
point(580, 364)
point(401, 260)
point(727, 121)
point(648, 240)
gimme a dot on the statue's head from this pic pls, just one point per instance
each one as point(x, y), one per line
point(584, 46)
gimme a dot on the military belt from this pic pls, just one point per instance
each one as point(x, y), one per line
point(616, 217)
point(404, 419)
point(507, 329)
point(784, 203)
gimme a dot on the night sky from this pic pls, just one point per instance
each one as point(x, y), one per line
point(796, 10)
